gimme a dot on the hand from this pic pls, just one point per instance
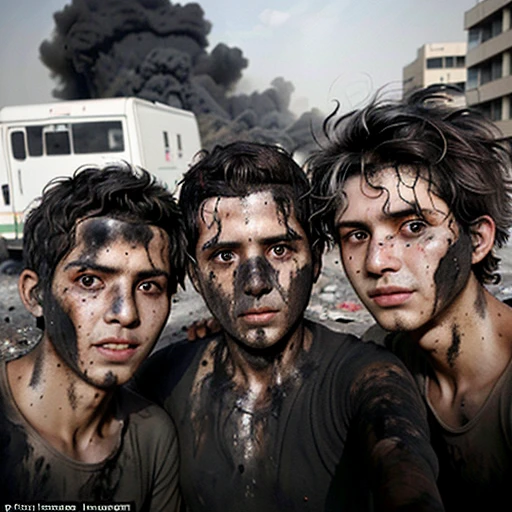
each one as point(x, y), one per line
point(203, 328)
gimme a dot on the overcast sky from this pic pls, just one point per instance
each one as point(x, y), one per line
point(342, 49)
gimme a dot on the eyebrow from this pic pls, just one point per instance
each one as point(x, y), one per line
point(83, 264)
point(212, 245)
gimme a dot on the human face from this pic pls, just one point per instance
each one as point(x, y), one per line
point(254, 267)
point(406, 264)
point(109, 299)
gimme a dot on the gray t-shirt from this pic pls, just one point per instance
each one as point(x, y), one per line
point(142, 470)
point(475, 460)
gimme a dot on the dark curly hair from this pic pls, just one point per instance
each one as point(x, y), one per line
point(456, 149)
point(239, 169)
point(119, 191)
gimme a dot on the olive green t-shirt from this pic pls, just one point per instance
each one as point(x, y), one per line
point(141, 472)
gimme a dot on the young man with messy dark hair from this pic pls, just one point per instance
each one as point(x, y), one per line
point(277, 413)
point(417, 194)
point(103, 254)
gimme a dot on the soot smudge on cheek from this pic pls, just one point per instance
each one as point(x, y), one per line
point(61, 330)
point(453, 271)
point(300, 290)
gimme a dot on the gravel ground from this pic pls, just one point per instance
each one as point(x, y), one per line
point(332, 302)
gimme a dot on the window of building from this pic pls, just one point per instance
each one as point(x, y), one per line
point(435, 63)
point(472, 79)
point(97, 137)
point(449, 62)
point(496, 68)
point(460, 61)
point(492, 109)
point(492, 27)
point(474, 37)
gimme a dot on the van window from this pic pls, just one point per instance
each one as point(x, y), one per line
point(35, 140)
point(18, 145)
point(57, 143)
point(98, 137)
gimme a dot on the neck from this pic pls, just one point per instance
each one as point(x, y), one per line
point(468, 342)
point(68, 412)
point(257, 371)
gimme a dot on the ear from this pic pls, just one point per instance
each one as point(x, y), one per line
point(483, 232)
point(27, 287)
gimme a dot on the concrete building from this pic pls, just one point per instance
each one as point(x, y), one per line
point(436, 63)
point(489, 83)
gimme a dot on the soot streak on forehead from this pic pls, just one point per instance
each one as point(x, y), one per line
point(215, 220)
point(97, 233)
point(284, 207)
point(453, 271)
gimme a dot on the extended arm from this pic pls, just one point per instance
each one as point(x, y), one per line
point(393, 432)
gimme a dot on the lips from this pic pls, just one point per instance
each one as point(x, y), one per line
point(116, 349)
point(390, 296)
point(259, 316)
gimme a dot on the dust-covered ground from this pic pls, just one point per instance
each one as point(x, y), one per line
point(332, 301)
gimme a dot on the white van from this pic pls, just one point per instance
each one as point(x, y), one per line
point(41, 142)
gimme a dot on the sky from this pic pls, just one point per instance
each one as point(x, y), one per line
point(328, 49)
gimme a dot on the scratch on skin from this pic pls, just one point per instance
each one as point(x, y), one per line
point(454, 349)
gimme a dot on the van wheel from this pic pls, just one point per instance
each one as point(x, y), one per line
point(4, 252)
point(11, 267)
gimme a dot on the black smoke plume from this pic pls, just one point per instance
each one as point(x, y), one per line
point(155, 50)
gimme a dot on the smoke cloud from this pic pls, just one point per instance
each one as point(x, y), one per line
point(155, 50)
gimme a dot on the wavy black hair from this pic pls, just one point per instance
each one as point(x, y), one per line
point(242, 168)
point(119, 191)
point(455, 148)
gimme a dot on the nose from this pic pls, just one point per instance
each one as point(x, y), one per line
point(257, 276)
point(382, 256)
point(123, 309)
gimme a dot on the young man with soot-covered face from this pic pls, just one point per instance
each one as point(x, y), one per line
point(275, 412)
point(103, 254)
point(417, 194)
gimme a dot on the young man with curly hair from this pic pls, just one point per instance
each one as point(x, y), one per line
point(103, 254)
point(418, 194)
point(275, 412)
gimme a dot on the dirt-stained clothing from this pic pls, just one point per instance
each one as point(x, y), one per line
point(142, 470)
point(313, 447)
point(475, 460)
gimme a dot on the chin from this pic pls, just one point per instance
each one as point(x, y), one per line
point(397, 323)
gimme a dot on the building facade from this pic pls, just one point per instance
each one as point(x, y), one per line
point(436, 63)
point(488, 61)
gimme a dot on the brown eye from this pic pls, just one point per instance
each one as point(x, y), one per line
point(414, 228)
point(87, 281)
point(280, 250)
point(224, 256)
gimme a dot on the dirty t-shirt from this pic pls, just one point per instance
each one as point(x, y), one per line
point(475, 460)
point(142, 470)
point(310, 449)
